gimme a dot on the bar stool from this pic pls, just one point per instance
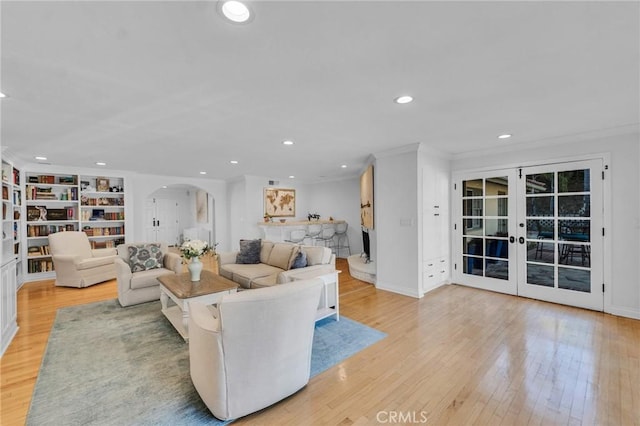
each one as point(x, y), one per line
point(313, 232)
point(326, 236)
point(342, 239)
point(297, 236)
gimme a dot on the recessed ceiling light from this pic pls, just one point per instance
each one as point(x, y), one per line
point(344, 166)
point(2, 95)
point(287, 142)
point(236, 11)
point(233, 161)
point(100, 163)
point(40, 157)
point(505, 136)
point(203, 173)
point(403, 99)
point(164, 186)
point(291, 177)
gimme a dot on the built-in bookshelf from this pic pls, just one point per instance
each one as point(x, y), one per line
point(69, 202)
point(11, 214)
point(102, 210)
point(11, 265)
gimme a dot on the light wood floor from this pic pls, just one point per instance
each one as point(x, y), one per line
point(458, 356)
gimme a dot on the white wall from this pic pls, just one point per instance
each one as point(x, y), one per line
point(622, 275)
point(398, 263)
point(340, 200)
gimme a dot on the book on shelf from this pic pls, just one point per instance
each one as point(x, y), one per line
point(39, 265)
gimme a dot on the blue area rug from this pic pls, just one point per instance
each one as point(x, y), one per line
point(108, 365)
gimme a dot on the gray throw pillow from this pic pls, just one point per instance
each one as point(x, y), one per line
point(143, 257)
point(300, 261)
point(249, 252)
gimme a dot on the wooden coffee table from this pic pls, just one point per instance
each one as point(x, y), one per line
point(180, 289)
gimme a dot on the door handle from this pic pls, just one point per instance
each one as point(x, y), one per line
point(521, 240)
point(512, 239)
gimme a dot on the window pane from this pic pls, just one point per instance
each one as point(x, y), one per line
point(541, 251)
point(497, 227)
point(540, 183)
point(574, 230)
point(540, 206)
point(472, 207)
point(472, 188)
point(472, 246)
point(472, 227)
point(540, 228)
point(497, 186)
point(540, 275)
point(574, 205)
point(497, 269)
point(574, 181)
point(497, 207)
point(497, 248)
point(472, 265)
point(574, 279)
point(575, 254)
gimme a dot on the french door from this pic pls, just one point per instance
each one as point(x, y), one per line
point(534, 231)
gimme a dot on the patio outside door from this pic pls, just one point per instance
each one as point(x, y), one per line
point(535, 232)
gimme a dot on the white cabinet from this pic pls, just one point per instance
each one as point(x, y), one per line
point(435, 224)
point(8, 305)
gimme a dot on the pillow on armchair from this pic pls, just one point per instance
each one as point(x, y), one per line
point(145, 256)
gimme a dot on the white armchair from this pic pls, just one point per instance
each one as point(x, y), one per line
point(255, 350)
point(140, 284)
point(76, 264)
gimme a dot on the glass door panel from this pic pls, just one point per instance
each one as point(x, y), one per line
point(558, 245)
point(486, 222)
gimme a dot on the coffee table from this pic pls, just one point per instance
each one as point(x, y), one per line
point(181, 290)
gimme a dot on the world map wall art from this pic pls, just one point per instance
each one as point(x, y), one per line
point(279, 202)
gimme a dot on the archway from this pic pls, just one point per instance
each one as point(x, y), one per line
point(176, 212)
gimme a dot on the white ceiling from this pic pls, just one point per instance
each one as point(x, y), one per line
point(171, 88)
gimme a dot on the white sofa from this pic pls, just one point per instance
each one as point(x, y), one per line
point(143, 286)
point(276, 259)
point(255, 350)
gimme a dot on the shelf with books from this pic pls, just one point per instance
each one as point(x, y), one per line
point(11, 205)
point(102, 210)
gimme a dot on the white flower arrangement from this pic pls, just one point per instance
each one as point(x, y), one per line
point(195, 248)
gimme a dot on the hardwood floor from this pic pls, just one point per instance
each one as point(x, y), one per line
point(458, 356)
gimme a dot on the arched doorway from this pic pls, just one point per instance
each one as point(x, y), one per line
point(174, 213)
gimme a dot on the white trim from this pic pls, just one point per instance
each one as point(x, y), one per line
point(624, 312)
point(399, 290)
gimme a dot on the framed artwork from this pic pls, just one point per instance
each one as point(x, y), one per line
point(102, 184)
point(366, 198)
point(279, 202)
point(202, 206)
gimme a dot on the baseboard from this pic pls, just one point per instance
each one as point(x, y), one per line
point(399, 290)
point(433, 287)
point(623, 312)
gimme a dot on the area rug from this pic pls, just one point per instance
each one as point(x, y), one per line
point(108, 365)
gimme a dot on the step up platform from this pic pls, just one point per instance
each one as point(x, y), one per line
point(360, 270)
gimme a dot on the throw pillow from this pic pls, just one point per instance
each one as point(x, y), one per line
point(300, 260)
point(249, 252)
point(143, 257)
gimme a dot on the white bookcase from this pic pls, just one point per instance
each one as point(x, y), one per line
point(58, 202)
point(10, 268)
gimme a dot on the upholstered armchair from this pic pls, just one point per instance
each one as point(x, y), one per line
point(255, 349)
point(138, 265)
point(76, 264)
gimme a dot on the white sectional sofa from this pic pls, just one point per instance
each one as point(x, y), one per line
point(275, 264)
